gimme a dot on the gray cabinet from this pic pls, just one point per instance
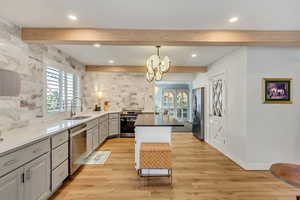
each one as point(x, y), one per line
point(59, 159)
point(11, 185)
point(30, 182)
point(101, 136)
point(114, 124)
point(103, 128)
point(89, 143)
point(25, 174)
point(59, 174)
point(92, 135)
point(37, 178)
point(95, 138)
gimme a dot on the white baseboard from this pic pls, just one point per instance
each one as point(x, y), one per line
point(244, 165)
point(236, 160)
point(258, 166)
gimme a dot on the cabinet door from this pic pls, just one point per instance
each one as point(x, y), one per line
point(113, 126)
point(95, 140)
point(37, 178)
point(101, 133)
point(11, 185)
point(106, 128)
point(89, 143)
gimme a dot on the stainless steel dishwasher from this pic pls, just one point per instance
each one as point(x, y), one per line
point(78, 144)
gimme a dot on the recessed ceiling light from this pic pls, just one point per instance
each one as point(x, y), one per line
point(72, 17)
point(111, 61)
point(97, 45)
point(194, 55)
point(233, 19)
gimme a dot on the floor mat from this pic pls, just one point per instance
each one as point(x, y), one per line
point(96, 158)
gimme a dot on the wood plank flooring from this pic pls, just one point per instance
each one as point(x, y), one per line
point(199, 172)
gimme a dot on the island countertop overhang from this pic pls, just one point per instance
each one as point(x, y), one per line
point(155, 120)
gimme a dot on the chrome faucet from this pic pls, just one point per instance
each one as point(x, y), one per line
point(73, 113)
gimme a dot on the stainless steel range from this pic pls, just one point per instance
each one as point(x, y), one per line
point(128, 118)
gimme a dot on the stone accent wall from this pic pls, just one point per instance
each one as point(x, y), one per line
point(28, 61)
point(122, 90)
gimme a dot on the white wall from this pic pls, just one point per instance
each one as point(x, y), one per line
point(179, 77)
point(273, 130)
point(234, 67)
point(258, 134)
point(201, 80)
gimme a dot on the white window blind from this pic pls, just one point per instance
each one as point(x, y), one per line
point(62, 87)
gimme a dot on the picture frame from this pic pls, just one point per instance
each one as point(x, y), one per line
point(277, 91)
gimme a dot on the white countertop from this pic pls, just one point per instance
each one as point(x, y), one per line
point(17, 138)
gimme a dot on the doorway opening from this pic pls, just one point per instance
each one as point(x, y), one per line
point(173, 100)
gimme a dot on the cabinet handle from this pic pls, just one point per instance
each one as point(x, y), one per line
point(23, 178)
point(10, 162)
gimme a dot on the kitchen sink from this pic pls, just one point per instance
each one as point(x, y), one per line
point(78, 118)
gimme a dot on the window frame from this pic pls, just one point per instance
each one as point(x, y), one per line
point(76, 87)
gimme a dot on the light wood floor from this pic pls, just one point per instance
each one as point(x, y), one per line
point(200, 172)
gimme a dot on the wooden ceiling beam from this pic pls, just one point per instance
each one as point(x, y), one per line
point(125, 68)
point(160, 37)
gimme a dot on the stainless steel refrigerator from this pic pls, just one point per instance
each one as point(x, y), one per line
point(198, 97)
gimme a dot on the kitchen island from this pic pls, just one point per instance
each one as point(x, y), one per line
point(156, 128)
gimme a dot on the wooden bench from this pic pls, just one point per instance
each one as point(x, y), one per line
point(155, 156)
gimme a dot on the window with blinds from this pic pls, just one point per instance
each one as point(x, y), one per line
point(62, 88)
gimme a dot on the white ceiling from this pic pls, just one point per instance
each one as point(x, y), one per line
point(152, 14)
point(155, 14)
point(137, 55)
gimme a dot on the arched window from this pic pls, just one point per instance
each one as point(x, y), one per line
point(182, 99)
point(182, 102)
point(168, 99)
point(175, 103)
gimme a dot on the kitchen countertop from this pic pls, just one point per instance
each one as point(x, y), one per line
point(20, 137)
point(155, 120)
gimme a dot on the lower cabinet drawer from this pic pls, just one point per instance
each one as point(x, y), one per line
point(59, 139)
point(89, 143)
point(92, 123)
point(59, 175)
point(113, 115)
point(59, 155)
point(16, 159)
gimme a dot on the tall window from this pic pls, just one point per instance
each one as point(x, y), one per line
point(168, 103)
point(175, 102)
point(182, 105)
point(62, 87)
point(168, 99)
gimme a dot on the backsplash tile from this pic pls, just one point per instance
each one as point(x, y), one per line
point(122, 90)
point(28, 61)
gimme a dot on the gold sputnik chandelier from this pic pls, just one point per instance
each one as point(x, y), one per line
point(157, 67)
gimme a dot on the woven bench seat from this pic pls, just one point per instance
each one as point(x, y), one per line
point(155, 156)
